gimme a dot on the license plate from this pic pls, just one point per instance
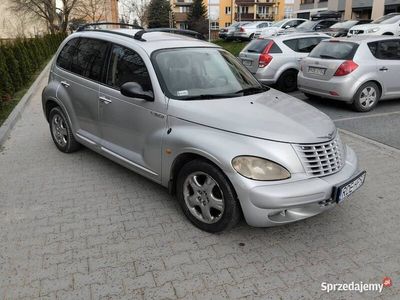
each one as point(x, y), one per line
point(344, 190)
point(316, 71)
point(247, 63)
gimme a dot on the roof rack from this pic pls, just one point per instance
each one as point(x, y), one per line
point(138, 35)
point(85, 26)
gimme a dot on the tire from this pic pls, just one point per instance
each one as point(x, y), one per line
point(199, 182)
point(366, 97)
point(310, 96)
point(251, 36)
point(388, 33)
point(287, 82)
point(61, 132)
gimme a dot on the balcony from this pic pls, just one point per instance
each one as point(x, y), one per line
point(252, 2)
point(250, 17)
point(180, 17)
point(183, 2)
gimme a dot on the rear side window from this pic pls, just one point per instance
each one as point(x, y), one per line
point(127, 66)
point(65, 57)
point(258, 46)
point(389, 50)
point(303, 45)
point(88, 59)
point(334, 50)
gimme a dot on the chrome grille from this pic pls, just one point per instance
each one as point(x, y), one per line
point(322, 159)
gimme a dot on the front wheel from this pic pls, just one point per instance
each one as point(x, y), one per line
point(366, 97)
point(207, 198)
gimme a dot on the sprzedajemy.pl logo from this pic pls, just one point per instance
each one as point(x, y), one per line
point(356, 286)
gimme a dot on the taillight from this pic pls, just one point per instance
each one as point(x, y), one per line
point(346, 68)
point(265, 58)
point(241, 29)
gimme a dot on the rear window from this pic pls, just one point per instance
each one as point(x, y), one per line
point(258, 46)
point(335, 50)
point(303, 45)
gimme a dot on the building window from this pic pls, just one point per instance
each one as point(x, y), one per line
point(183, 26)
point(227, 10)
point(214, 25)
point(262, 10)
point(307, 1)
point(243, 9)
point(184, 9)
point(227, 24)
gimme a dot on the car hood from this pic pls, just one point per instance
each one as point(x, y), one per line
point(271, 115)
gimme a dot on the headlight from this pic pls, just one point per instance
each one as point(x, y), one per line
point(259, 168)
point(373, 30)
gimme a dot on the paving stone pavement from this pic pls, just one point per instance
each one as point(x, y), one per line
point(79, 226)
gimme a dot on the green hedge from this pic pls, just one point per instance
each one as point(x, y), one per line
point(21, 58)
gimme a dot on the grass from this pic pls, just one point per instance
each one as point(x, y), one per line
point(7, 107)
point(233, 47)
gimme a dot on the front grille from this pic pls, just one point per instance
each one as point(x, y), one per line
point(322, 159)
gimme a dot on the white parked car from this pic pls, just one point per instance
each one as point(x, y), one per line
point(386, 25)
point(279, 27)
point(247, 31)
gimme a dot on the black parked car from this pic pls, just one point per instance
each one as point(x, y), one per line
point(342, 28)
point(311, 26)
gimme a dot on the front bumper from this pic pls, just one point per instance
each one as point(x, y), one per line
point(281, 203)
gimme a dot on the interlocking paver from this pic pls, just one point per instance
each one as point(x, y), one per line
point(79, 226)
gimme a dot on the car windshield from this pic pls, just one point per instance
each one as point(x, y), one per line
point(278, 24)
point(307, 25)
point(345, 25)
point(203, 73)
point(388, 19)
point(334, 50)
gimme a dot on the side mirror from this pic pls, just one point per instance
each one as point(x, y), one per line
point(135, 90)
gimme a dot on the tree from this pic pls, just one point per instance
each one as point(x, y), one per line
point(93, 10)
point(159, 14)
point(132, 10)
point(47, 10)
point(197, 17)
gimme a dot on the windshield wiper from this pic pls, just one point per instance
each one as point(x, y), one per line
point(207, 96)
point(327, 56)
point(253, 90)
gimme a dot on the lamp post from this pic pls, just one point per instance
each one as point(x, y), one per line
point(209, 22)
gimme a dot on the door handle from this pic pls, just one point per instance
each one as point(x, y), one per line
point(64, 83)
point(105, 100)
point(383, 69)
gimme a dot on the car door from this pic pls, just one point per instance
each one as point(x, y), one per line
point(79, 72)
point(132, 128)
point(388, 65)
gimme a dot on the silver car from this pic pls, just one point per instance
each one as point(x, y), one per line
point(279, 27)
point(360, 70)
point(228, 32)
point(187, 115)
point(247, 31)
point(275, 60)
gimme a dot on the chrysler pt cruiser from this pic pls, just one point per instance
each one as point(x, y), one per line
point(186, 114)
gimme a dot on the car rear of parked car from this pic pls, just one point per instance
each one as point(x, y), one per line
point(275, 60)
point(359, 70)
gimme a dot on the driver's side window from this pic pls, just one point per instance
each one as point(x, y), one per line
point(127, 66)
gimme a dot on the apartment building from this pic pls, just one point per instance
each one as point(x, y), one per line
point(14, 24)
point(351, 9)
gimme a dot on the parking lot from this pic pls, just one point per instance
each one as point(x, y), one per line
point(381, 124)
point(79, 226)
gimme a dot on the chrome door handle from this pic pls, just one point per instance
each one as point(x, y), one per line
point(105, 100)
point(64, 83)
point(384, 69)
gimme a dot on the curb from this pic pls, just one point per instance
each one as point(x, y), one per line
point(388, 149)
point(16, 113)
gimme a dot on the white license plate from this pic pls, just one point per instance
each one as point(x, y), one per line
point(316, 71)
point(247, 63)
point(345, 190)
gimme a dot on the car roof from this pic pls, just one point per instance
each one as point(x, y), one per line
point(359, 39)
point(152, 39)
point(296, 35)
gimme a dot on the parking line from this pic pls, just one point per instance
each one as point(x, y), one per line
point(368, 116)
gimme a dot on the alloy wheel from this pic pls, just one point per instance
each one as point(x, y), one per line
point(368, 97)
point(59, 130)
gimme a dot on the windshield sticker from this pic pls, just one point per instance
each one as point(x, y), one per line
point(182, 93)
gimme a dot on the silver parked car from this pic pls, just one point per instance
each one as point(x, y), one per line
point(279, 27)
point(247, 31)
point(276, 59)
point(204, 127)
point(360, 70)
point(228, 32)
